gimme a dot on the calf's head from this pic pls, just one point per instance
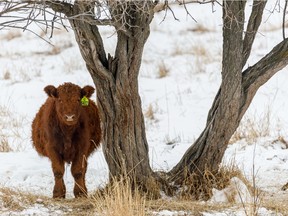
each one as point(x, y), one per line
point(68, 100)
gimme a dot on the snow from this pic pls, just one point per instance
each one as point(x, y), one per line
point(180, 103)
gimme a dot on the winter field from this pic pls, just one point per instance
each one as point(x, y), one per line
point(180, 75)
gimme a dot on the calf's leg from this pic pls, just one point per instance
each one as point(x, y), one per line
point(78, 170)
point(58, 169)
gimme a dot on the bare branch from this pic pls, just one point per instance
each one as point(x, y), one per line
point(48, 13)
point(186, 9)
point(257, 75)
point(283, 22)
point(252, 28)
point(196, 1)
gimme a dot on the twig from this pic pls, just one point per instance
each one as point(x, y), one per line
point(284, 16)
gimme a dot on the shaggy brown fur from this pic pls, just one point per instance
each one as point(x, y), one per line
point(65, 131)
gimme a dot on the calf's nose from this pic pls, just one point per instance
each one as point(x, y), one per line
point(69, 117)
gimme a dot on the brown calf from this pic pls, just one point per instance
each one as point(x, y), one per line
point(67, 129)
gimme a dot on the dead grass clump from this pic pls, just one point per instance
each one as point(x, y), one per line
point(198, 50)
point(199, 28)
point(12, 34)
point(119, 199)
point(11, 130)
point(202, 57)
point(199, 187)
point(149, 114)
point(16, 200)
point(282, 140)
point(277, 204)
point(162, 70)
point(18, 74)
point(251, 128)
point(55, 50)
point(4, 144)
point(6, 75)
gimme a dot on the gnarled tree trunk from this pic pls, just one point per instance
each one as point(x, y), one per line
point(116, 78)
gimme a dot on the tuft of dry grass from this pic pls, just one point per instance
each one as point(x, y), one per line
point(4, 144)
point(251, 128)
point(16, 200)
point(119, 199)
point(17, 74)
point(199, 187)
point(55, 50)
point(199, 28)
point(11, 134)
point(149, 114)
point(12, 34)
point(198, 50)
point(163, 71)
point(6, 75)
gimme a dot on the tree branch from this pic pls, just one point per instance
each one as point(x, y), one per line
point(284, 16)
point(60, 7)
point(252, 28)
point(257, 75)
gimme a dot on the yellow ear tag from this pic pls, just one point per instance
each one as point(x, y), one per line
point(84, 101)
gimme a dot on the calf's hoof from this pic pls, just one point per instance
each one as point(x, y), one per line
point(80, 192)
point(59, 194)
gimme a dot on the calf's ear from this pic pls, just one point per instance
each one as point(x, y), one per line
point(51, 91)
point(87, 91)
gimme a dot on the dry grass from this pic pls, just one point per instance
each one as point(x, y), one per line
point(149, 114)
point(198, 50)
point(18, 74)
point(11, 130)
point(6, 75)
point(197, 187)
point(118, 199)
point(10, 35)
point(163, 71)
point(4, 144)
point(72, 64)
point(191, 207)
point(57, 49)
point(199, 28)
point(251, 128)
point(277, 203)
point(16, 200)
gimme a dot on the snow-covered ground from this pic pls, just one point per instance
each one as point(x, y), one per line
point(191, 54)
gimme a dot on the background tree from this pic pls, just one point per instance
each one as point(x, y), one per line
point(124, 142)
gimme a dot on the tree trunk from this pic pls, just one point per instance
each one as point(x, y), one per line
point(116, 78)
point(208, 150)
